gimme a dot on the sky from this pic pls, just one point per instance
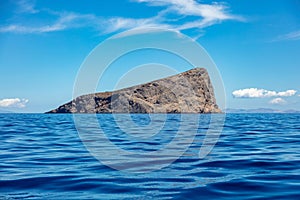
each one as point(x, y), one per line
point(255, 45)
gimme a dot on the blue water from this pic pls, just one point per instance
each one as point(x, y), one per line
point(256, 157)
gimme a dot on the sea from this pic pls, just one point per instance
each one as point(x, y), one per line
point(141, 156)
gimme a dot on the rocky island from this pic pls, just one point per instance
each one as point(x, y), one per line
point(187, 92)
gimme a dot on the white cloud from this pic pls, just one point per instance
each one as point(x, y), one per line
point(14, 102)
point(295, 35)
point(260, 93)
point(15, 28)
point(26, 6)
point(203, 15)
point(120, 23)
point(215, 11)
point(277, 101)
point(64, 21)
point(135, 31)
point(67, 21)
point(287, 93)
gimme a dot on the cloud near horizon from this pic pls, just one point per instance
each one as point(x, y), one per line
point(13, 102)
point(261, 93)
point(277, 101)
point(203, 14)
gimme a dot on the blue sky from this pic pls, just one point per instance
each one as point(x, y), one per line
point(254, 43)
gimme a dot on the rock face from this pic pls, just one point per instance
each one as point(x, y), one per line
point(187, 92)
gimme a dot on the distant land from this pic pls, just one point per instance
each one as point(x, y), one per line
point(259, 110)
point(187, 92)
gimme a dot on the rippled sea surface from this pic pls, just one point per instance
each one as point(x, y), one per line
point(42, 156)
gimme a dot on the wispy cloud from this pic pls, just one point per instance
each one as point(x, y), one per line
point(215, 11)
point(120, 23)
point(65, 20)
point(295, 35)
point(13, 102)
point(277, 101)
point(205, 14)
point(261, 93)
point(173, 15)
point(70, 20)
point(26, 6)
point(27, 29)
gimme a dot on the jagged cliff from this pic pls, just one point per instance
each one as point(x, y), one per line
point(187, 92)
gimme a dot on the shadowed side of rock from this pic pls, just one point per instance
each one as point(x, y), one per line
point(187, 92)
